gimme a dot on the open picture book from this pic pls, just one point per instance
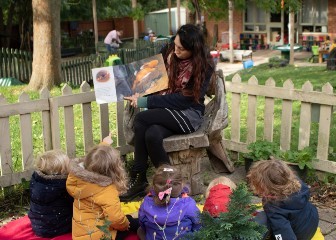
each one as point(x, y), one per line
point(146, 76)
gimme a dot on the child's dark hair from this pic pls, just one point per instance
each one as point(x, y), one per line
point(166, 177)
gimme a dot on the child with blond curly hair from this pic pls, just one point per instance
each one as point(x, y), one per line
point(95, 182)
point(285, 199)
point(217, 195)
point(50, 210)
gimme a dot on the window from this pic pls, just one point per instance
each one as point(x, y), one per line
point(314, 15)
point(255, 19)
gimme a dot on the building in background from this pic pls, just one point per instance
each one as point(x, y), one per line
point(158, 21)
point(257, 29)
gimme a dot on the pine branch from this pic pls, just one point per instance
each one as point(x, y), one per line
point(234, 224)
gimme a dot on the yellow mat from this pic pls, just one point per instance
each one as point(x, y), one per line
point(132, 208)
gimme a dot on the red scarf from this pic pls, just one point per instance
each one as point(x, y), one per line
point(184, 74)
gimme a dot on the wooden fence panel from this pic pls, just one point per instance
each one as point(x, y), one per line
point(252, 113)
point(305, 119)
point(24, 108)
point(269, 113)
point(55, 123)
point(46, 123)
point(15, 63)
point(69, 125)
point(324, 127)
point(307, 96)
point(26, 135)
point(235, 115)
point(286, 119)
point(87, 120)
point(5, 146)
point(104, 120)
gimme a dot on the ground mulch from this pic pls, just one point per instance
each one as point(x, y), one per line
point(324, 195)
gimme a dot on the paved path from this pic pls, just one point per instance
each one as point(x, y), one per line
point(327, 215)
point(262, 56)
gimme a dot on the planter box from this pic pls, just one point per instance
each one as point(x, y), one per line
point(301, 173)
point(248, 164)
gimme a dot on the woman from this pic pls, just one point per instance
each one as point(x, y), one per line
point(177, 111)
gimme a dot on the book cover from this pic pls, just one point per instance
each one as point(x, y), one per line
point(146, 76)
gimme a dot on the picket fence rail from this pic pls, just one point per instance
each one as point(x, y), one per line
point(59, 130)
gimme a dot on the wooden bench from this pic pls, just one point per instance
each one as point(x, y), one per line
point(187, 151)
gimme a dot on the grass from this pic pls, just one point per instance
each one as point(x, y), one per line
point(318, 76)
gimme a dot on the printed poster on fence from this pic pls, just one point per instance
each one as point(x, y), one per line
point(146, 76)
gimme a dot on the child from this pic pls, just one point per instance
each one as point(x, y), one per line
point(218, 195)
point(285, 200)
point(95, 183)
point(167, 212)
point(50, 205)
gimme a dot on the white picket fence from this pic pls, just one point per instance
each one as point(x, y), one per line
point(58, 128)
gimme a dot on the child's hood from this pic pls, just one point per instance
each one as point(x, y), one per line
point(177, 209)
point(83, 183)
point(297, 200)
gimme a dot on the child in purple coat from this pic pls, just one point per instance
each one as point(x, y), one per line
point(167, 212)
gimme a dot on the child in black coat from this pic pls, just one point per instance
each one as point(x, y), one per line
point(50, 204)
point(285, 198)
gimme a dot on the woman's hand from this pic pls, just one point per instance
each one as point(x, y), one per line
point(133, 100)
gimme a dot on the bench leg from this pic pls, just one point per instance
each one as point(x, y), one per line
point(189, 163)
point(218, 157)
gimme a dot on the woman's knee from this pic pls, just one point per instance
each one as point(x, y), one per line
point(153, 135)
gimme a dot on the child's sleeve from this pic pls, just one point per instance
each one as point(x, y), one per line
point(110, 203)
point(280, 225)
point(193, 212)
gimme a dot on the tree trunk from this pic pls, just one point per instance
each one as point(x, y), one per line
point(95, 24)
point(178, 9)
point(197, 11)
point(291, 37)
point(47, 52)
point(231, 30)
point(135, 22)
point(169, 18)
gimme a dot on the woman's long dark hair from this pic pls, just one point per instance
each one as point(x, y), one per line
point(192, 39)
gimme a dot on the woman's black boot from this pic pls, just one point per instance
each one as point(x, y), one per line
point(137, 186)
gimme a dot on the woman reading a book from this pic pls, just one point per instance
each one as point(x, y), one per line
point(179, 110)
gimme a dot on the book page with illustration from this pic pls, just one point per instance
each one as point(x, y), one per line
point(146, 76)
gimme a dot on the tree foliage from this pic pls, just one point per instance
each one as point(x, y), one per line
point(81, 9)
point(234, 224)
point(218, 9)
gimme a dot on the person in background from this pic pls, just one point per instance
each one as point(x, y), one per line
point(50, 210)
point(152, 36)
point(333, 45)
point(178, 110)
point(95, 183)
point(326, 44)
point(114, 34)
point(288, 214)
point(217, 195)
point(167, 212)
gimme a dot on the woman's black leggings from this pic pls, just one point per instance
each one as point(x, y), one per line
point(150, 128)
